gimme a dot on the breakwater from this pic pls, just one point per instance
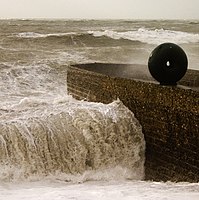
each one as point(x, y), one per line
point(169, 115)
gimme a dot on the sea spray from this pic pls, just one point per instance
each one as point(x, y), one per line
point(74, 138)
point(32, 86)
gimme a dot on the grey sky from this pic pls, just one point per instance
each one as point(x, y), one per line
point(92, 9)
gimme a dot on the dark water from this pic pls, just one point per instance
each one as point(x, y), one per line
point(44, 131)
point(89, 41)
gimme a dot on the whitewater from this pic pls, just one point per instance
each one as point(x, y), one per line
point(53, 146)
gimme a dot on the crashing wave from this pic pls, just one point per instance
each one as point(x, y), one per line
point(82, 140)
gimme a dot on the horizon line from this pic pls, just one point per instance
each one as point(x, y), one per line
point(92, 19)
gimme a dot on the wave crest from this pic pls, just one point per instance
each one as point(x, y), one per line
point(156, 36)
point(74, 138)
point(108, 37)
point(39, 35)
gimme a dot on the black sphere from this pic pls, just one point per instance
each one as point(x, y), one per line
point(168, 63)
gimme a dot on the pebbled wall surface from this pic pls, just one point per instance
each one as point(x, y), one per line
point(169, 115)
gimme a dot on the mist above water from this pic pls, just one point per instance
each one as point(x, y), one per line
point(48, 138)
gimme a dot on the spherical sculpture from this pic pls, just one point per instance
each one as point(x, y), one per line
point(168, 63)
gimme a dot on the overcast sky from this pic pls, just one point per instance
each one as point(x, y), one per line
point(98, 9)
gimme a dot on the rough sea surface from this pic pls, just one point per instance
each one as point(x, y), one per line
point(55, 147)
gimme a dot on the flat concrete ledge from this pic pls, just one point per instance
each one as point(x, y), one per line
point(169, 115)
point(138, 72)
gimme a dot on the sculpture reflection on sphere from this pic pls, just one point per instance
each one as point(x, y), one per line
point(168, 63)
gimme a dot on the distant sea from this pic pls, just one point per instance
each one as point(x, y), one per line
point(92, 41)
point(55, 147)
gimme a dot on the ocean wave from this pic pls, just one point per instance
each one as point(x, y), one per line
point(114, 38)
point(70, 137)
point(156, 36)
point(40, 35)
point(75, 39)
point(194, 22)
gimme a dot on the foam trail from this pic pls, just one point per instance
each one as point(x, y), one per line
point(39, 35)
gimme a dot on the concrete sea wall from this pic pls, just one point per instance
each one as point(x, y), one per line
point(169, 115)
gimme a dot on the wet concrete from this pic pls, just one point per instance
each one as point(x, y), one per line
point(169, 115)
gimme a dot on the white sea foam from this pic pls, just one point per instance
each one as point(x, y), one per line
point(41, 124)
point(18, 81)
point(112, 190)
point(40, 35)
point(142, 34)
point(91, 141)
point(156, 36)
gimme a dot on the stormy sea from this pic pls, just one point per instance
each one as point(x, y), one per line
point(53, 146)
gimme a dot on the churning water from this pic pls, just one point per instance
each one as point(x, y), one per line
point(49, 141)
